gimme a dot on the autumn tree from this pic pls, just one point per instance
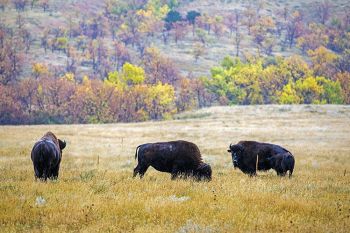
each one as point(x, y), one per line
point(201, 36)
point(344, 79)
point(128, 31)
point(262, 33)
point(159, 68)
point(186, 97)
point(180, 30)
point(232, 21)
point(120, 54)
point(11, 112)
point(26, 94)
point(323, 62)
point(250, 17)
point(343, 62)
point(149, 23)
point(218, 26)
point(32, 4)
point(237, 41)
point(323, 10)
point(26, 38)
point(161, 102)
point(3, 4)
point(294, 28)
point(39, 70)
point(198, 51)
point(44, 4)
point(11, 60)
point(205, 22)
point(315, 36)
point(72, 60)
point(20, 4)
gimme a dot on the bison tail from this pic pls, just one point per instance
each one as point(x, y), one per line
point(137, 150)
point(39, 160)
point(291, 163)
point(290, 172)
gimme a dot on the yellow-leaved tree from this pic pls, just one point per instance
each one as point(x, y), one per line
point(130, 75)
point(161, 101)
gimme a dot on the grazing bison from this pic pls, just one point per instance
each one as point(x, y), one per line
point(175, 157)
point(250, 155)
point(282, 163)
point(46, 156)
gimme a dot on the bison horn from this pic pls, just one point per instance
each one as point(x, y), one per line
point(62, 144)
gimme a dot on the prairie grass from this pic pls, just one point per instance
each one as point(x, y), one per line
point(95, 191)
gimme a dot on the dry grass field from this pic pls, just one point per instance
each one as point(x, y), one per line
point(96, 192)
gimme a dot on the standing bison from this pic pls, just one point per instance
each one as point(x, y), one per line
point(46, 156)
point(175, 157)
point(249, 156)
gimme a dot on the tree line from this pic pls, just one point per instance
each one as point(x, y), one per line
point(131, 95)
point(112, 72)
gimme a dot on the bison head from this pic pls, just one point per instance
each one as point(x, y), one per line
point(62, 144)
point(203, 172)
point(236, 151)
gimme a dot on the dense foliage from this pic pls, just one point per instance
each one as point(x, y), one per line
point(101, 61)
point(283, 80)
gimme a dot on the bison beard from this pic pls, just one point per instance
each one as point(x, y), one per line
point(249, 156)
point(46, 156)
point(180, 158)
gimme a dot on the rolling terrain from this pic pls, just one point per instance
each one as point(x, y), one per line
point(96, 192)
point(61, 15)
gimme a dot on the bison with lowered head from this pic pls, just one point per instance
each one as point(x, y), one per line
point(46, 156)
point(180, 158)
point(250, 155)
point(282, 163)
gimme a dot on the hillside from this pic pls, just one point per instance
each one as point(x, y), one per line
point(96, 193)
point(69, 14)
point(127, 61)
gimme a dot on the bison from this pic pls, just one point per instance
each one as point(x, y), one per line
point(180, 158)
point(282, 163)
point(250, 156)
point(46, 156)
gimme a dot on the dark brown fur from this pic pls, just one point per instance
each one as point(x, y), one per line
point(282, 163)
point(175, 157)
point(46, 156)
point(246, 153)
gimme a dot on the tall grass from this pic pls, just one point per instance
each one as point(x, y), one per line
point(95, 191)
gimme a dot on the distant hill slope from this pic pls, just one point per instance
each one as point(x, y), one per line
point(66, 14)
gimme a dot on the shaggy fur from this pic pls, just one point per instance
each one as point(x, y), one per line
point(282, 163)
point(46, 156)
point(246, 153)
point(175, 157)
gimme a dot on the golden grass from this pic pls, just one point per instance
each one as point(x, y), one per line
point(102, 197)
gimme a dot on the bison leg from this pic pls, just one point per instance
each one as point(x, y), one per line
point(54, 172)
point(136, 170)
point(174, 172)
point(251, 174)
point(141, 170)
point(281, 173)
point(174, 176)
point(45, 174)
point(37, 173)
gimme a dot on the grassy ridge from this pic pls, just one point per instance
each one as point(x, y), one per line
point(95, 191)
